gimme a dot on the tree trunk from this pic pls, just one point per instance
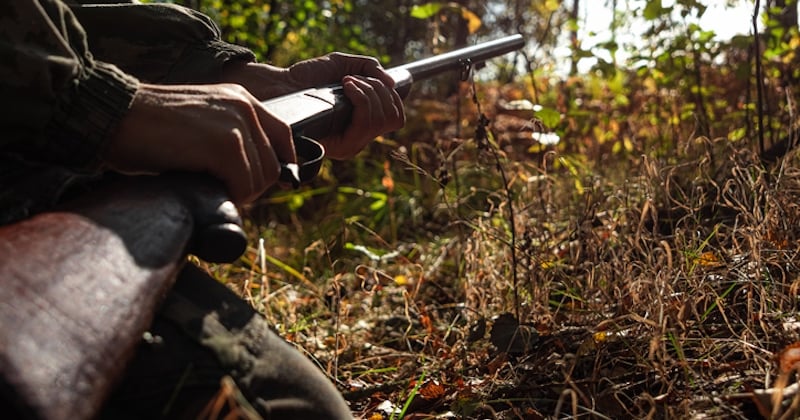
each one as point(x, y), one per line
point(573, 38)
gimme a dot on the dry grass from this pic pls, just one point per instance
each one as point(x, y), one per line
point(546, 286)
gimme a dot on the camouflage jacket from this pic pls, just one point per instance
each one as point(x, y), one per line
point(68, 74)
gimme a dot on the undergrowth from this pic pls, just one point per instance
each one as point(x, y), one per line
point(452, 273)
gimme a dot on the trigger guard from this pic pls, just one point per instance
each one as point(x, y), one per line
point(310, 154)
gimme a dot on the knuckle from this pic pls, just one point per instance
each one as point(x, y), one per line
point(370, 88)
point(336, 56)
point(371, 61)
point(235, 88)
point(231, 145)
point(237, 96)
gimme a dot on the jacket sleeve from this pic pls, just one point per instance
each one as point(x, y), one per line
point(157, 42)
point(58, 105)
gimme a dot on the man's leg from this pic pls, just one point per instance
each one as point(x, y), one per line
point(203, 333)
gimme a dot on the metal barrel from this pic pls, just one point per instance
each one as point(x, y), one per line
point(455, 60)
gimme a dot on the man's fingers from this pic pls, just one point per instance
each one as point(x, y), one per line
point(393, 108)
point(221, 129)
point(257, 162)
point(280, 136)
point(268, 145)
point(385, 103)
point(366, 101)
point(256, 143)
point(267, 142)
point(376, 109)
point(230, 162)
point(372, 68)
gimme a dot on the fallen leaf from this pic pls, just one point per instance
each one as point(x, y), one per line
point(433, 390)
point(789, 357)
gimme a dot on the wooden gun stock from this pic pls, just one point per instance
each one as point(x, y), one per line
point(81, 285)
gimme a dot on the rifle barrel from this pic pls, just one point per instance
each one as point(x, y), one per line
point(455, 60)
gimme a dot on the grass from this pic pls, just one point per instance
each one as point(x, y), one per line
point(645, 285)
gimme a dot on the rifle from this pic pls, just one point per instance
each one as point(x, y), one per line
point(319, 112)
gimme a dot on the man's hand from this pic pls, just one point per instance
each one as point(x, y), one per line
point(377, 108)
point(219, 129)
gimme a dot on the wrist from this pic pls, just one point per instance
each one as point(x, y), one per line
point(264, 81)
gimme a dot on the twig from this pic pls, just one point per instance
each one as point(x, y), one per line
point(482, 136)
point(759, 82)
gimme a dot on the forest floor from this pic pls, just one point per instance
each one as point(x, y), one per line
point(448, 274)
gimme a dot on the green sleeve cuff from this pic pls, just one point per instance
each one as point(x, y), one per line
point(87, 116)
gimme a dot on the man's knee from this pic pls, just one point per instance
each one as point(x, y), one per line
point(205, 334)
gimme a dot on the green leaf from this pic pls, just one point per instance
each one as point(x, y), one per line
point(706, 36)
point(549, 117)
point(377, 205)
point(653, 10)
point(237, 21)
point(424, 11)
point(737, 134)
point(296, 202)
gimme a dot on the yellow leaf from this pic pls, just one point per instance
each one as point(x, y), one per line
point(537, 148)
point(599, 134)
point(600, 336)
point(473, 21)
point(544, 265)
point(650, 85)
point(707, 258)
point(579, 187)
point(400, 280)
point(613, 126)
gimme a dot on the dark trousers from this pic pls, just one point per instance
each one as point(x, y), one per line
point(206, 336)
